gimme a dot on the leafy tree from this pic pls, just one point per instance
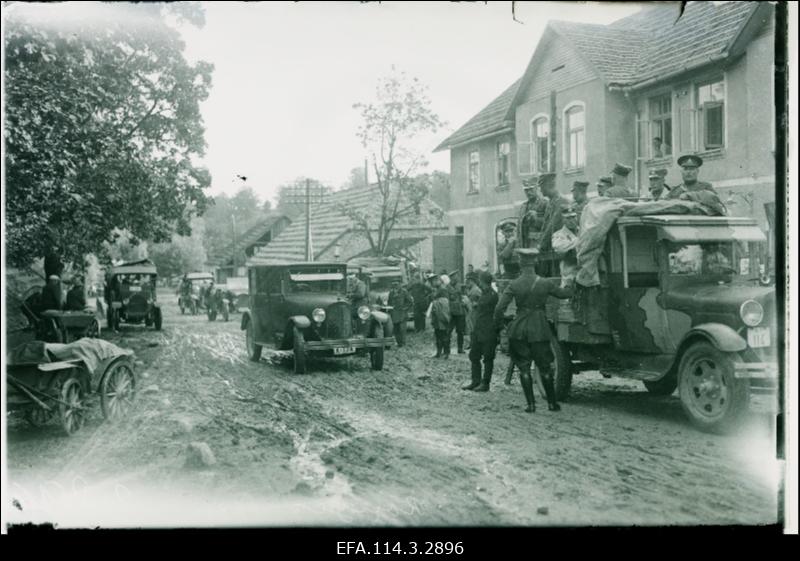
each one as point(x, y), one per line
point(399, 115)
point(181, 254)
point(103, 126)
point(227, 218)
point(358, 178)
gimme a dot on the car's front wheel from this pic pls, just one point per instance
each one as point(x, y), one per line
point(253, 349)
point(300, 355)
point(376, 354)
point(711, 395)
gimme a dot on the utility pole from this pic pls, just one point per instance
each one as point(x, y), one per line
point(309, 257)
point(306, 195)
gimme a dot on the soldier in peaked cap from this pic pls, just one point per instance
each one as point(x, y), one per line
point(531, 214)
point(658, 189)
point(693, 190)
point(579, 197)
point(552, 214)
point(529, 332)
point(604, 184)
point(619, 178)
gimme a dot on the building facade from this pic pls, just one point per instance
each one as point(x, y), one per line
point(641, 91)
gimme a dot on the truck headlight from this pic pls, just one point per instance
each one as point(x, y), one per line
point(319, 315)
point(363, 313)
point(751, 313)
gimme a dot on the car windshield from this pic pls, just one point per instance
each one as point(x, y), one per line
point(384, 283)
point(710, 258)
point(325, 281)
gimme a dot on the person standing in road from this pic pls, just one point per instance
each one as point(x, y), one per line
point(421, 293)
point(483, 340)
point(400, 301)
point(440, 321)
point(458, 317)
point(529, 332)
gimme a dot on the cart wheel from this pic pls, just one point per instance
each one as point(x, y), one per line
point(39, 417)
point(117, 391)
point(71, 409)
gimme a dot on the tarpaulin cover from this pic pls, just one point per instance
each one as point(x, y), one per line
point(93, 352)
point(599, 215)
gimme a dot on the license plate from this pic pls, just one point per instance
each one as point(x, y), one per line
point(136, 289)
point(758, 337)
point(344, 350)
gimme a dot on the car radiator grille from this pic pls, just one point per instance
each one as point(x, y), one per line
point(137, 304)
point(338, 323)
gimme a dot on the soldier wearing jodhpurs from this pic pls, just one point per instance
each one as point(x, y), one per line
point(483, 339)
point(529, 332)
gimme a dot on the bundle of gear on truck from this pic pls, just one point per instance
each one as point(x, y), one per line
point(667, 292)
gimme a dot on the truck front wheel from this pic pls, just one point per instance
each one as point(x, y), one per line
point(562, 371)
point(299, 352)
point(712, 397)
point(376, 354)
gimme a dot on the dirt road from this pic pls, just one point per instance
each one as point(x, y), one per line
point(404, 446)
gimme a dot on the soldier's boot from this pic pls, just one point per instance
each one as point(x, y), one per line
point(550, 391)
point(487, 378)
point(460, 342)
point(509, 373)
point(527, 388)
point(476, 377)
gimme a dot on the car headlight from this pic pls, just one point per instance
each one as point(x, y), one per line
point(125, 301)
point(363, 312)
point(751, 313)
point(319, 315)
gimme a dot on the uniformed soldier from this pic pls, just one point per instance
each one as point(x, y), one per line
point(400, 301)
point(619, 178)
point(529, 332)
point(421, 292)
point(658, 189)
point(555, 206)
point(483, 341)
point(507, 255)
point(603, 185)
point(565, 243)
point(579, 197)
point(693, 190)
point(531, 215)
point(51, 294)
point(356, 292)
point(458, 314)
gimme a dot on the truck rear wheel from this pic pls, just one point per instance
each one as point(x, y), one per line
point(562, 371)
point(711, 396)
point(299, 352)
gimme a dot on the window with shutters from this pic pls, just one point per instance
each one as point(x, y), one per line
point(711, 114)
point(474, 171)
point(540, 137)
point(661, 126)
point(575, 136)
point(503, 153)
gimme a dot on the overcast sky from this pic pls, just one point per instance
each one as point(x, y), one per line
point(286, 75)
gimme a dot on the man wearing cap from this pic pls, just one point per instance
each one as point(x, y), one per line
point(458, 314)
point(529, 332)
point(565, 242)
point(357, 292)
point(76, 297)
point(421, 293)
point(658, 189)
point(531, 215)
point(400, 301)
point(552, 215)
point(693, 190)
point(507, 255)
point(579, 197)
point(483, 340)
point(51, 294)
point(604, 184)
point(619, 178)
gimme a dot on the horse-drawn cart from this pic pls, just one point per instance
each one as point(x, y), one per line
point(51, 380)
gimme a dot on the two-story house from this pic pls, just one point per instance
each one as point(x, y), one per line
point(640, 91)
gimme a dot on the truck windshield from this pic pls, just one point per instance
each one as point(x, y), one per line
point(710, 258)
point(315, 282)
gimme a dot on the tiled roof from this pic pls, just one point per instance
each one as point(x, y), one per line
point(491, 118)
point(328, 223)
point(251, 236)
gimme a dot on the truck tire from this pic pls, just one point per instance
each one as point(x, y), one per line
point(562, 369)
point(712, 397)
point(376, 354)
point(299, 352)
point(158, 319)
point(664, 386)
point(253, 349)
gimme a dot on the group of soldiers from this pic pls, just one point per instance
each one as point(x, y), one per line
point(52, 296)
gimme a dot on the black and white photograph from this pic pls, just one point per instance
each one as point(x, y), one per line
point(399, 265)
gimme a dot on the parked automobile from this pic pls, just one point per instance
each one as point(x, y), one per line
point(130, 293)
point(681, 306)
point(191, 291)
point(219, 303)
point(304, 307)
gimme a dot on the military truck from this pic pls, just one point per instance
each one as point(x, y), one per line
point(379, 276)
point(303, 307)
point(679, 306)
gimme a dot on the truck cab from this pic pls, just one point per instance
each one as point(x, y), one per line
point(679, 304)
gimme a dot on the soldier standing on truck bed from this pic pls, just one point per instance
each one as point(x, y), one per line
point(531, 215)
point(555, 206)
point(529, 332)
